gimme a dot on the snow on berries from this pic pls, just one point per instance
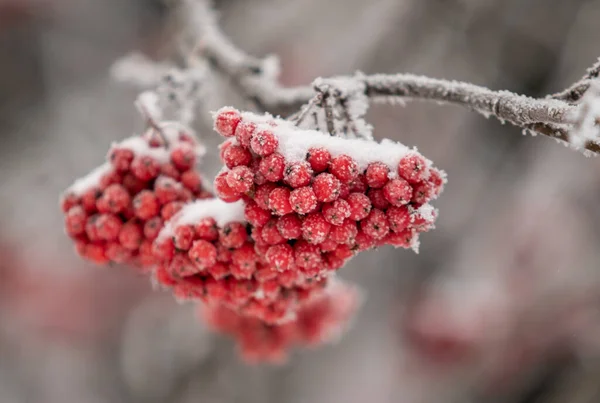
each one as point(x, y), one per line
point(114, 213)
point(324, 192)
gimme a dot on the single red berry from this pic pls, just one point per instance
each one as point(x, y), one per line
point(345, 233)
point(223, 253)
point(335, 213)
point(271, 289)
point(96, 253)
point(264, 142)
point(272, 167)
point(398, 217)
point(168, 169)
point(279, 201)
point(170, 209)
point(375, 225)
point(223, 190)
point(378, 199)
point(376, 174)
point(108, 226)
point(236, 155)
point(183, 157)
point(131, 235)
point(114, 199)
point(437, 179)
point(328, 245)
point(182, 266)
point(359, 184)
point(363, 241)
point(203, 254)
point(422, 222)
point(298, 174)
point(315, 228)
point(75, 221)
point(233, 235)
point(110, 178)
point(133, 184)
point(145, 167)
point(145, 205)
point(333, 262)
point(360, 206)
point(240, 179)
point(120, 159)
point(207, 229)
point(117, 253)
point(152, 228)
point(163, 249)
point(226, 121)
point(398, 192)
point(307, 256)
point(218, 270)
point(344, 168)
point(265, 273)
point(303, 200)
point(413, 168)
point(262, 193)
point(189, 288)
point(68, 201)
point(289, 226)
point(318, 158)
point(245, 258)
point(91, 229)
point(167, 189)
point(255, 215)
point(241, 291)
point(422, 193)
point(403, 239)
point(281, 256)
point(183, 237)
point(270, 234)
point(259, 178)
point(344, 251)
point(216, 290)
point(244, 132)
point(89, 199)
point(326, 187)
point(146, 256)
point(345, 191)
point(163, 277)
point(192, 180)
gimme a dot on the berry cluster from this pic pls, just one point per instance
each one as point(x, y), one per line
point(314, 200)
point(318, 321)
point(207, 254)
point(115, 213)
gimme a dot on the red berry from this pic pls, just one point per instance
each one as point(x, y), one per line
point(298, 174)
point(315, 228)
point(168, 169)
point(437, 179)
point(166, 189)
point(110, 178)
point(163, 249)
point(163, 277)
point(245, 258)
point(114, 199)
point(344, 168)
point(170, 209)
point(270, 234)
point(262, 193)
point(289, 226)
point(223, 190)
point(318, 158)
point(422, 222)
point(145, 205)
point(326, 187)
point(403, 239)
point(75, 221)
point(345, 233)
point(378, 199)
point(244, 132)
point(272, 167)
point(422, 193)
point(192, 180)
point(108, 226)
point(398, 192)
point(236, 155)
point(145, 167)
point(152, 228)
point(216, 289)
point(68, 201)
point(218, 270)
point(376, 174)
point(226, 121)
point(259, 178)
point(375, 225)
point(89, 198)
point(203, 254)
point(303, 200)
point(183, 157)
point(207, 229)
point(117, 253)
point(182, 266)
point(183, 237)
point(133, 184)
point(91, 229)
point(335, 213)
point(96, 253)
point(255, 215)
point(121, 158)
point(240, 179)
point(413, 168)
point(281, 256)
point(223, 253)
point(131, 235)
point(264, 143)
point(279, 201)
point(360, 206)
point(363, 241)
point(146, 254)
point(307, 256)
point(233, 235)
point(398, 218)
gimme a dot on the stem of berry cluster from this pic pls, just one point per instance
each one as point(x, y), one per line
point(256, 79)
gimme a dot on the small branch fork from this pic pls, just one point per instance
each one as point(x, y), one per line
point(257, 80)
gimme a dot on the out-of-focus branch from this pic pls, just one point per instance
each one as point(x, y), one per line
point(576, 90)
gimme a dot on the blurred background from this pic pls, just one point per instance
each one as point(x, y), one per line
point(500, 305)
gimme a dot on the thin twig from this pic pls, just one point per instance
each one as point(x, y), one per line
point(576, 90)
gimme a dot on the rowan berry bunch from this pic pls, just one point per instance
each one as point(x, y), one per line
point(208, 255)
point(315, 200)
point(318, 321)
point(114, 213)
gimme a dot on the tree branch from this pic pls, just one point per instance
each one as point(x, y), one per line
point(576, 90)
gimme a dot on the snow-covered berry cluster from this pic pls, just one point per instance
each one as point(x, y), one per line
point(319, 320)
point(208, 255)
point(114, 213)
point(315, 200)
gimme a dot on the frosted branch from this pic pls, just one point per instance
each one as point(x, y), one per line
point(576, 90)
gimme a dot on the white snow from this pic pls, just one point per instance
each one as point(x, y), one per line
point(87, 182)
point(221, 211)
